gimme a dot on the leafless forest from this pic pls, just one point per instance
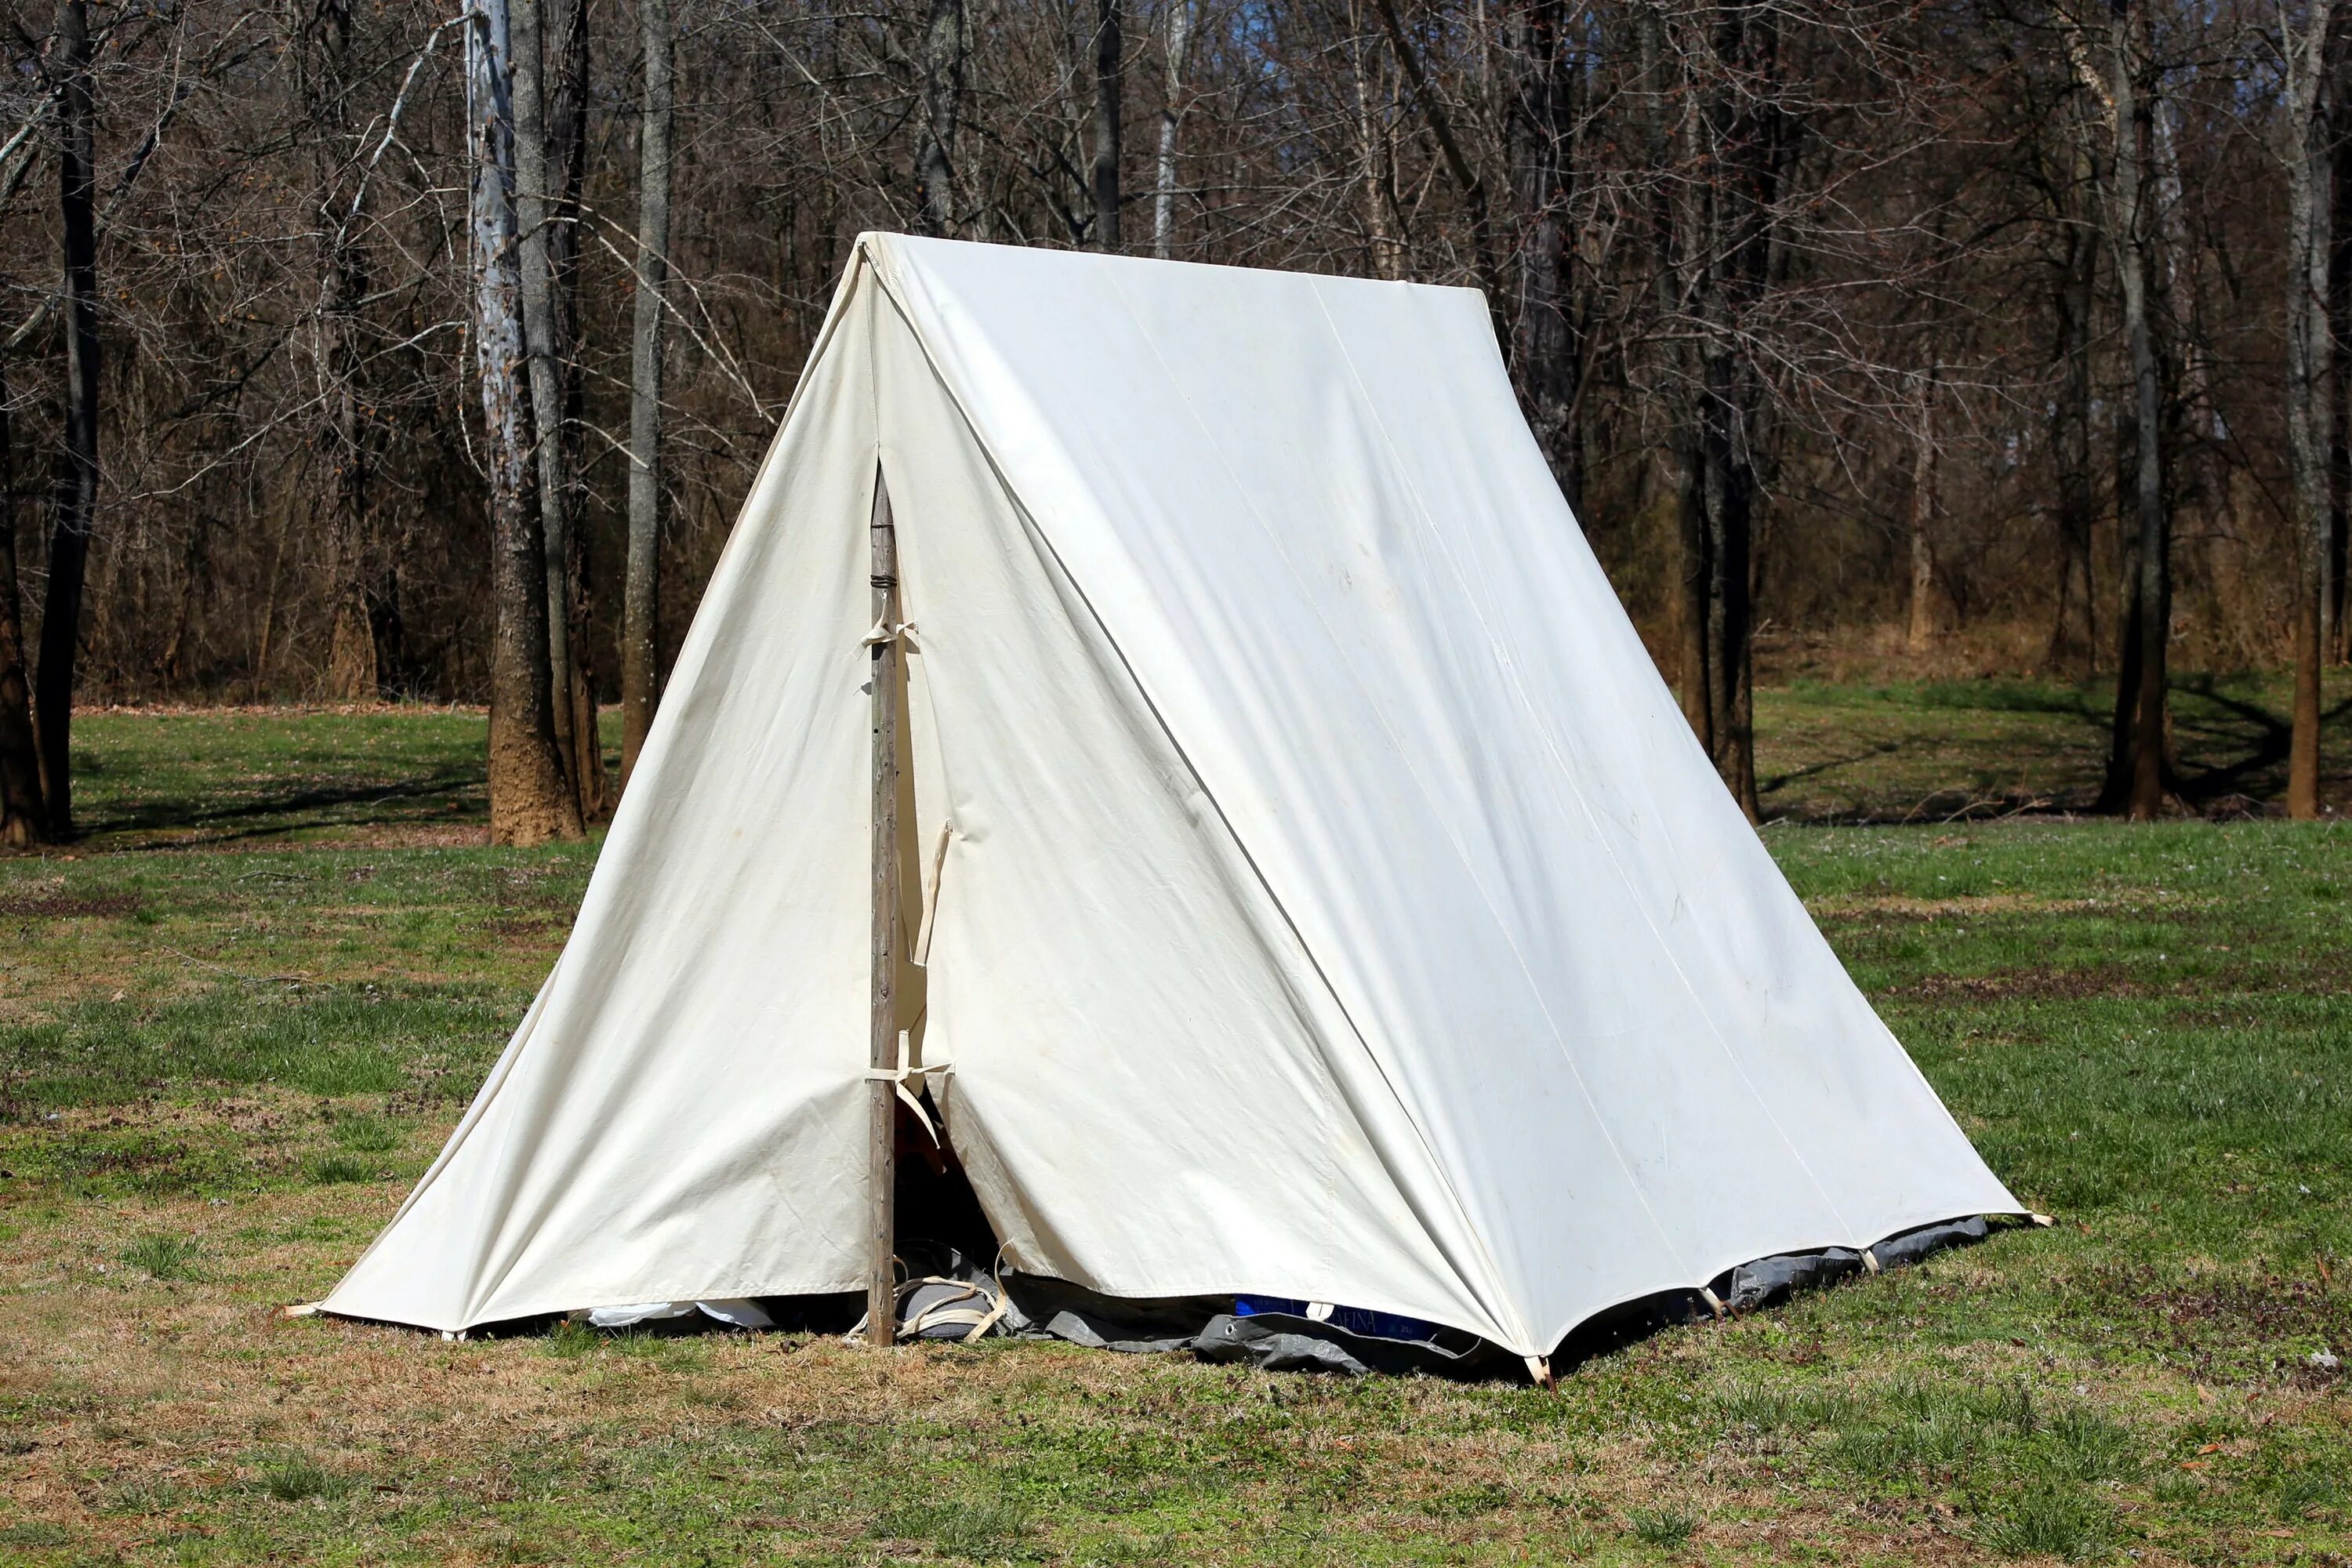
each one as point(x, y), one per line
point(386, 347)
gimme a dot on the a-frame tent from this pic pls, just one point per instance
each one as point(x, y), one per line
point(1318, 892)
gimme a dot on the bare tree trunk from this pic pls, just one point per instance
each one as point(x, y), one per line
point(2335, 634)
point(1163, 203)
point(1109, 51)
point(2308, 154)
point(944, 51)
point(2140, 706)
point(1547, 354)
point(640, 655)
point(568, 137)
point(2073, 631)
point(1375, 171)
point(77, 478)
point(21, 819)
point(544, 359)
point(531, 800)
point(1924, 609)
point(1745, 136)
point(1677, 211)
point(353, 673)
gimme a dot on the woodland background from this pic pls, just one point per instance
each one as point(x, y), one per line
point(1963, 331)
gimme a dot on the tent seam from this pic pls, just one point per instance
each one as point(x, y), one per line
point(1461, 854)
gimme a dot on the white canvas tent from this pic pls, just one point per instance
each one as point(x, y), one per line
point(1320, 894)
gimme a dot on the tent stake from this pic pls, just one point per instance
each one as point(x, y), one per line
point(881, 1152)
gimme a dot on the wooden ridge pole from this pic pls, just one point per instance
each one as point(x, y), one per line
point(881, 1152)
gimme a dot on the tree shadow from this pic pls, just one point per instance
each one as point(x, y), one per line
point(2266, 740)
point(1814, 770)
point(195, 824)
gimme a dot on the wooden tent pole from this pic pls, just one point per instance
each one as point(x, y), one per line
point(882, 1152)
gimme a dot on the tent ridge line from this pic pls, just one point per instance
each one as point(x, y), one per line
point(1493, 1295)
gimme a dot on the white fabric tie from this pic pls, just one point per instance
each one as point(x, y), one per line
point(897, 1078)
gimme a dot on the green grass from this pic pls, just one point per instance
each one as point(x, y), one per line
point(235, 1024)
point(162, 1257)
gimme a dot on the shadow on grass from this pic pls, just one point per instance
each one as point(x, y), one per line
point(193, 824)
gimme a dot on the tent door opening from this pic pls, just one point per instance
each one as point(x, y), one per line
point(918, 1196)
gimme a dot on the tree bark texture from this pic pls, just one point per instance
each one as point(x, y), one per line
point(1675, 214)
point(1163, 192)
point(568, 148)
point(2074, 631)
point(355, 667)
point(935, 154)
point(544, 354)
point(2335, 633)
point(1545, 350)
point(1742, 142)
point(641, 589)
point(77, 475)
point(2153, 518)
point(532, 799)
point(1926, 620)
point(21, 823)
point(2308, 154)
point(1109, 50)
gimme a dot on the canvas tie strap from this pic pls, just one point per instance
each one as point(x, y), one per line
point(897, 1078)
point(886, 630)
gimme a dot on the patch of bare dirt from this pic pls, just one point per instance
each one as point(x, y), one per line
point(2184, 1317)
point(69, 906)
point(1899, 906)
point(2035, 985)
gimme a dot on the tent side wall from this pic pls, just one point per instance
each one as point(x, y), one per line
point(682, 1115)
point(1153, 1090)
point(1311, 521)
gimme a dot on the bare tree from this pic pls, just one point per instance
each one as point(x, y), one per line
point(532, 799)
point(1109, 57)
point(2074, 630)
point(944, 47)
point(2306, 148)
point(77, 479)
point(22, 820)
point(640, 653)
point(1547, 346)
point(1926, 622)
point(2137, 773)
point(1163, 202)
point(546, 354)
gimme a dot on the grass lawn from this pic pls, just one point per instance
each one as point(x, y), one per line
point(238, 1020)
